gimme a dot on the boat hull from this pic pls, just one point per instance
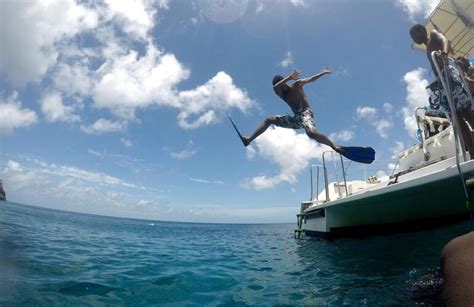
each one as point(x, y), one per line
point(435, 198)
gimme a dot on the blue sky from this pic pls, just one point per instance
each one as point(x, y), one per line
point(120, 107)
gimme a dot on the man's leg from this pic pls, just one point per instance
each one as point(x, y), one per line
point(321, 138)
point(261, 129)
point(466, 122)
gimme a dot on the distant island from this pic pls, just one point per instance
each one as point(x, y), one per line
point(3, 195)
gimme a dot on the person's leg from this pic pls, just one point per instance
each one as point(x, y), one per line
point(321, 138)
point(466, 122)
point(261, 129)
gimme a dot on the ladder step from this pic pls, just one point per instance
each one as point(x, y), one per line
point(470, 183)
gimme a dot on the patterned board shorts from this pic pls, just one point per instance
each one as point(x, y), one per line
point(461, 98)
point(298, 121)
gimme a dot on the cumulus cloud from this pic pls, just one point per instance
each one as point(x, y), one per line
point(103, 126)
point(288, 61)
point(417, 8)
point(344, 135)
point(130, 82)
point(27, 57)
point(54, 109)
point(371, 115)
point(136, 16)
point(382, 126)
point(207, 103)
point(18, 178)
point(75, 78)
point(366, 112)
point(104, 52)
point(417, 96)
point(12, 116)
point(292, 152)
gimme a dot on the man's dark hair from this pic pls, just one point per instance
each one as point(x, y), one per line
point(416, 28)
point(277, 79)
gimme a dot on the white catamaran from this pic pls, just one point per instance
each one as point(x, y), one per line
point(431, 182)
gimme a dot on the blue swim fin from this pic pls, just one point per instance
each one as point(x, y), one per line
point(359, 154)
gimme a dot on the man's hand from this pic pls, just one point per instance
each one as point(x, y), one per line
point(327, 71)
point(295, 75)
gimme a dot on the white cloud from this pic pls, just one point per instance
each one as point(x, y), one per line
point(122, 71)
point(39, 182)
point(72, 172)
point(135, 16)
point(382, 126)
point(417, 8)
point(96, 153)
point(397, 148)
point(54, 109)
point(12, 116)
point(382, 175)
point(299, 3)
point(259, 8)
point(417, 96)
point(288, 61)
point(103, 126)
point(71, 188)
point(366, 112)
point(73, 78)
point(388, 107)
point(292, 153)
point(28, 56)
point(371, 115)
point(130, 82)
point(126, 142)
point(344, 135)
point(184, 154)
point(224, 11)
point(205, 181)
point(211, 101)
point(251, 152)
point(16, 178)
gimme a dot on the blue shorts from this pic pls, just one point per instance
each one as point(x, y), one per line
point(301, 120)
point(461, 97)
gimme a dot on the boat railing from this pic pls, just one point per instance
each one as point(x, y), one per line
point(342, 172)
point(443, 76)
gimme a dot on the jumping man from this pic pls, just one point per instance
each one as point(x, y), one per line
point(295, 97)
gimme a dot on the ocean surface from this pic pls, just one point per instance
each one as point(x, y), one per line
point(54, 258)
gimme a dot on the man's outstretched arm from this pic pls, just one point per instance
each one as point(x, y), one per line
point(303, 81)
point(295, 74)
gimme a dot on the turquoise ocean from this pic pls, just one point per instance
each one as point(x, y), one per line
point(56, 258)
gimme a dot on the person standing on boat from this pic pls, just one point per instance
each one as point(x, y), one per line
point(436, 41)
point(468, 71)
point(296, 99)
